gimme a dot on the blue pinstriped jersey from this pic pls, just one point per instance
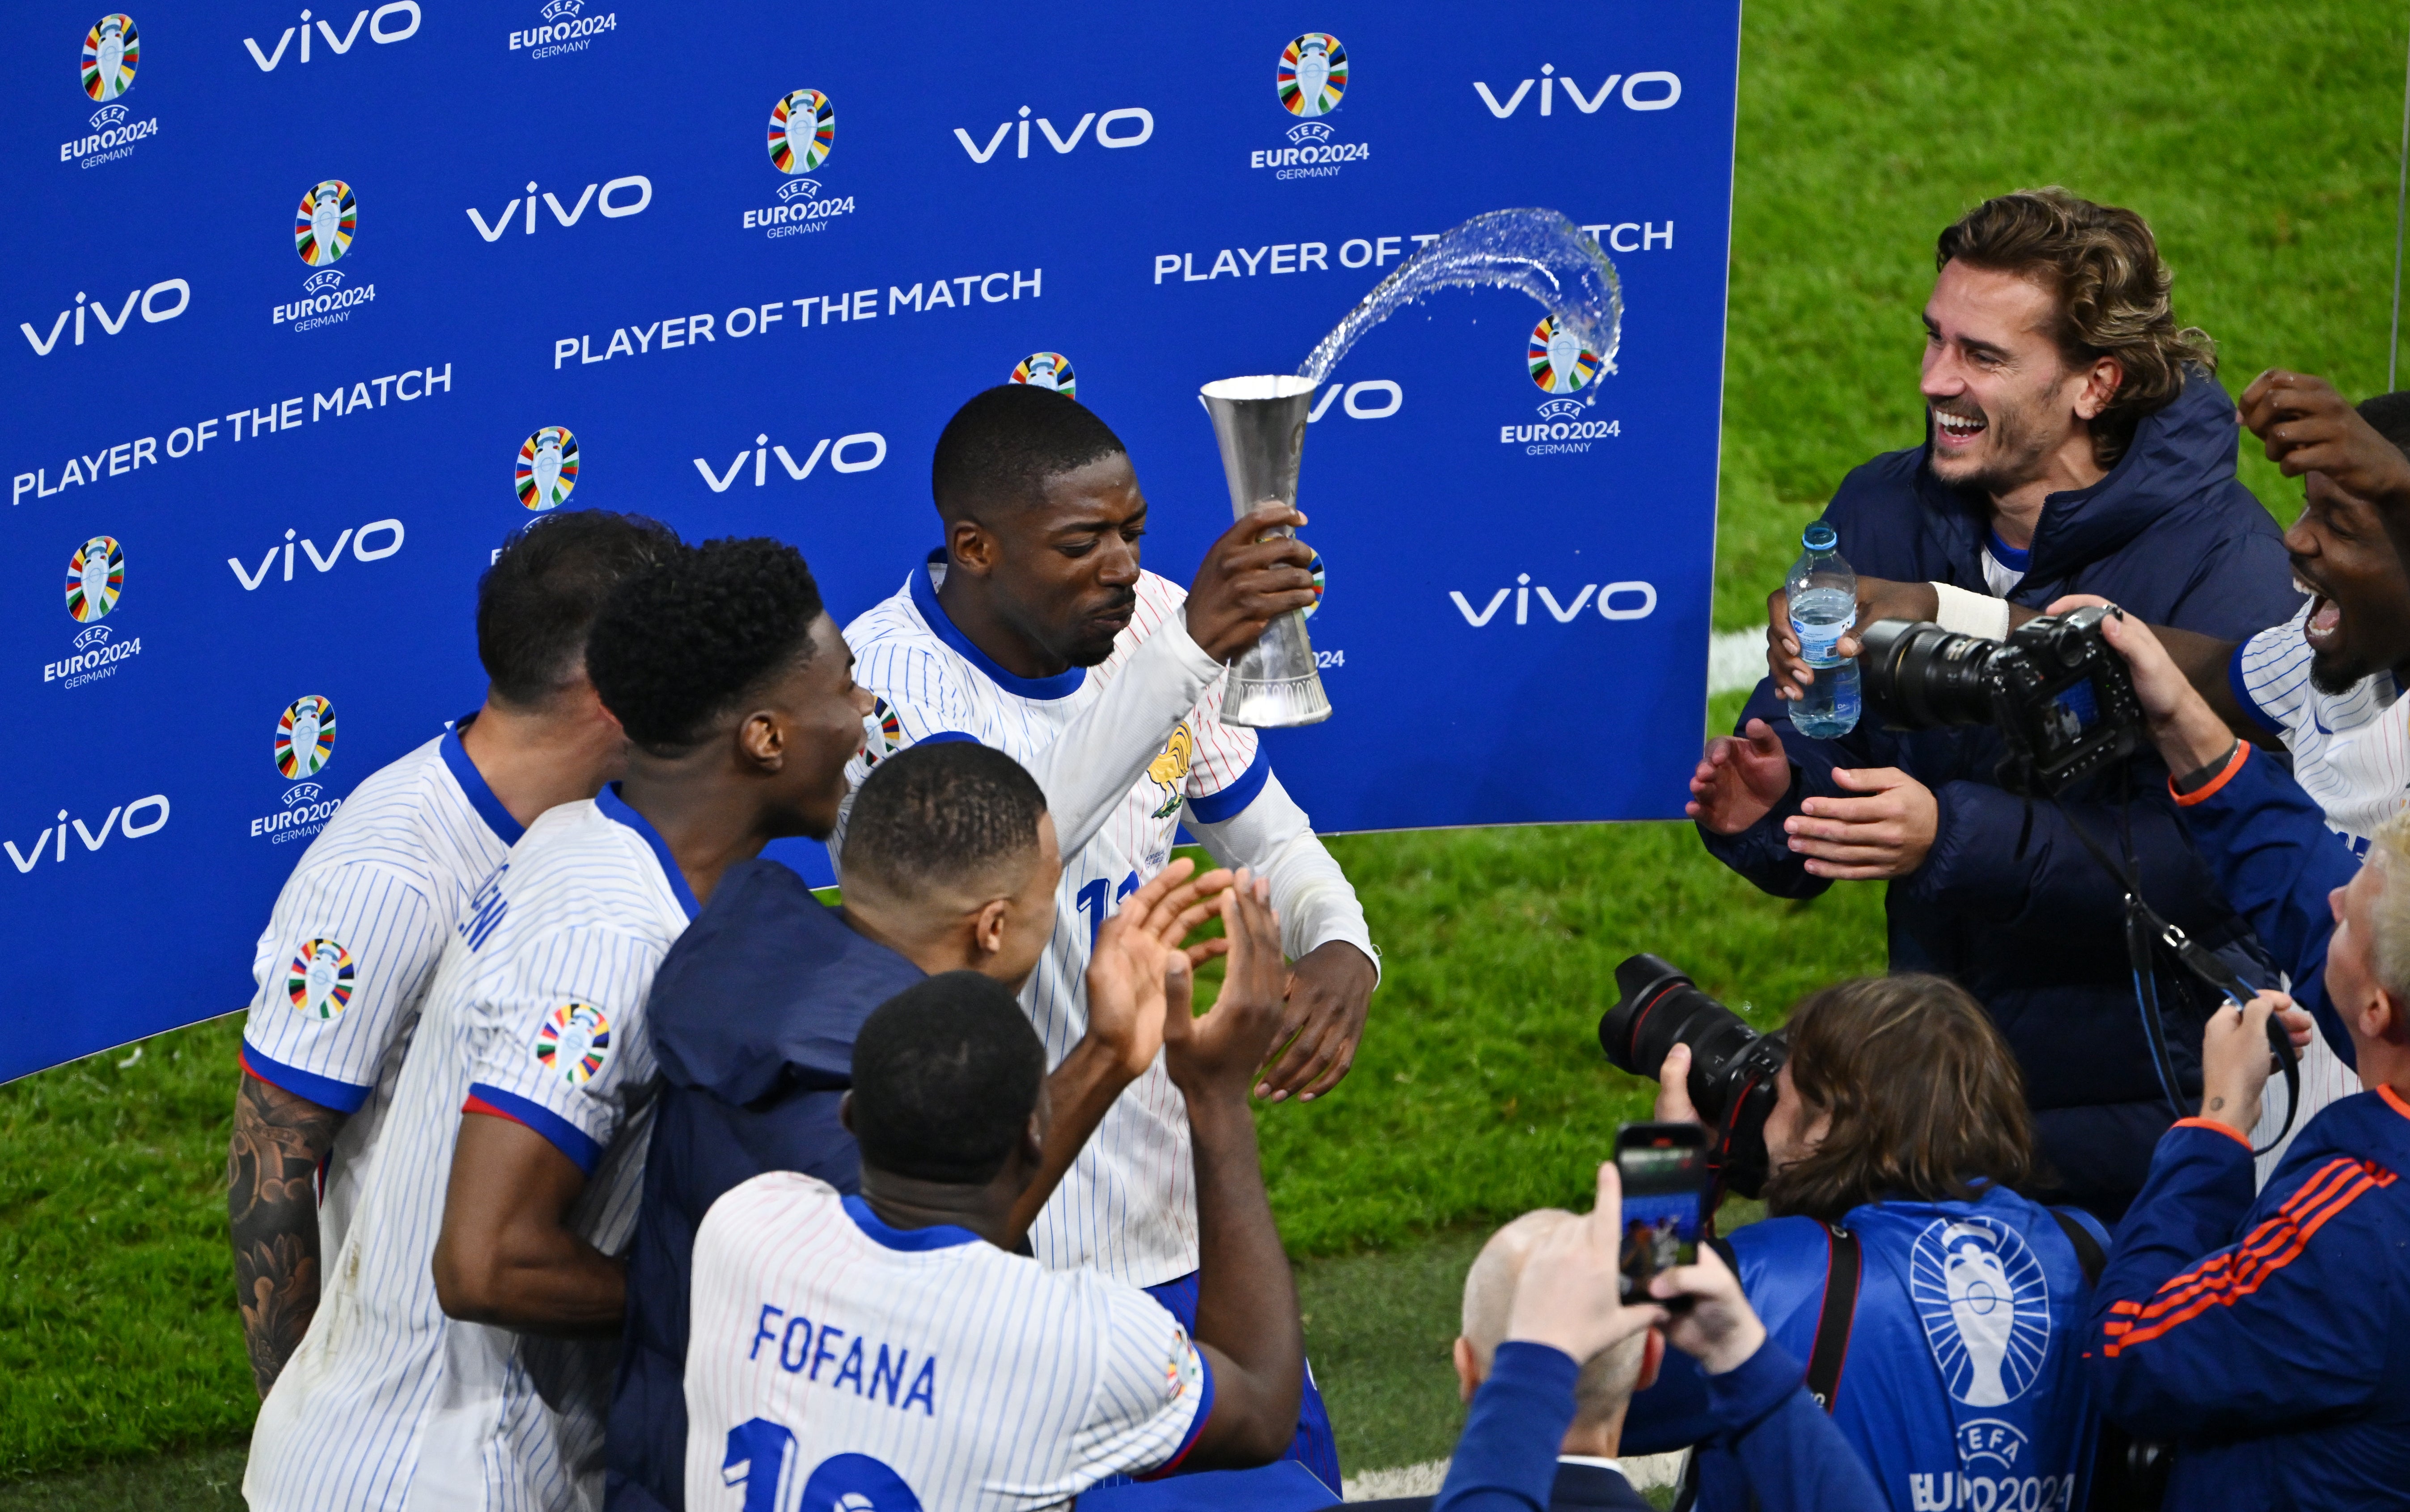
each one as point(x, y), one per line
point(389, 1403)
point(834, 1357)
point(351, 947)
point(1128, 1206)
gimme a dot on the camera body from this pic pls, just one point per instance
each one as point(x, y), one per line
point(2057, 691)
point(1733, 1066)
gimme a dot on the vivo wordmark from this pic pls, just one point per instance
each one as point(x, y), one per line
point(1615, 601)
point(387, 24)
point(149, 300)
point(1652, 90)
point(613, 200)
point(120, 820)
point(389, 536)
point(1128, 128)
point(844, 454)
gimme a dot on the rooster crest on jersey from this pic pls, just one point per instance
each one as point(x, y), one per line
point(1985, 1306)
point(575, 1043)
point(1169, 768)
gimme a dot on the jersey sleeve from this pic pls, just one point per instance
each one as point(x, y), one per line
point(1154, 1390)
point(1230, 765)
point(348, 949)
point(2270, 676)
point(557, 1045)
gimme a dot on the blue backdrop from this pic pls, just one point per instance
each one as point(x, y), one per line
point(306, 315)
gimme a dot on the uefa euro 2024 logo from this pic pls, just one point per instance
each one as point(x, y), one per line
point(1049, 370)
point(1559, 363)
point(1985, 1306)
point(96, 577)
point(1313, 75)
point(320, 979)
point(305, 737)
point(322, 227)
point(112, 50)
point(802, 128)
point(548, 468)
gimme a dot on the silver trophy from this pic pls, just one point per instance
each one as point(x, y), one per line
point(1259, 424)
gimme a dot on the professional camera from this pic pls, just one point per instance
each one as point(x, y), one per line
point(2057, 690)
point(1732, 1065)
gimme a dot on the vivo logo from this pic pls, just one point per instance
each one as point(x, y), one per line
point(1115, 129)
point(389, 530)
point(1374, 398)
point(385, 24)
point(1638, 601)
point(635, 184)
point(153, 311)
point(1654, 90)
point(122, 820)
point(797, 471)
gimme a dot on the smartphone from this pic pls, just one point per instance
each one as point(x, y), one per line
point(1666, 1187)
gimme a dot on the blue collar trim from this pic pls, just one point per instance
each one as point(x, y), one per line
point(937, 1236)
point(615, 807)
point(924, 598)
point(472, 783)
point(2006, 554)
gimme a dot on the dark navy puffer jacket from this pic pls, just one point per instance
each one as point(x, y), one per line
point(2172, 536)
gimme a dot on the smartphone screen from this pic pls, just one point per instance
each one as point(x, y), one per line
point(1665, 1185)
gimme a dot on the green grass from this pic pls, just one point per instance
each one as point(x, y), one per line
point(2261, 144)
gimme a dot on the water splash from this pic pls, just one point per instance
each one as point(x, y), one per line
point(1538, 252)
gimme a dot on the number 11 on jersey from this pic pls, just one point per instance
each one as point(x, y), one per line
point(1093, 904)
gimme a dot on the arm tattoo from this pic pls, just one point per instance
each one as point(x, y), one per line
point(273, 1216)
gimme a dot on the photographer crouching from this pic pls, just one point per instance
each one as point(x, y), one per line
point(1887, 1123)
point(2076, 441)
point(2270, 1338)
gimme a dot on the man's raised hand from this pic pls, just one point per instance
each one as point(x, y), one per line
point(1739, 781)
point(1247, 580)
point(1218, 1055)
point(2306, 426)
point(1570, 1295)
point(1139, 962)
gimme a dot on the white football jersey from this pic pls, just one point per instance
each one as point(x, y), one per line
point(1128, 1206)
point(2351, 753)
point(352, 944)
point(838, 1363)
point(537, 1015)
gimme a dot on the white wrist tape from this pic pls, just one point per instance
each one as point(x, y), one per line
point(1962, 612)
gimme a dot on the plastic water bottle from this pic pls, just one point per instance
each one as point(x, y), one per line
point(1823, 591)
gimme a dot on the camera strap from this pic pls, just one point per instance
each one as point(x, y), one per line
point(2145, 931)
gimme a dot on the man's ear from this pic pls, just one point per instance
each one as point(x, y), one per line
point(2100, 385)
point(1652, 1357)
point(1033, 1138)
point(969, 547)
point(987, 924)
point(844, 1112)
point(761, 740)
point(2387, 1018)
point(1468, 1368)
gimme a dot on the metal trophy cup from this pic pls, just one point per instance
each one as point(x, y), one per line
point(1259, 424)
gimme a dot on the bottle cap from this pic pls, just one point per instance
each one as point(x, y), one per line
point(1819, 537)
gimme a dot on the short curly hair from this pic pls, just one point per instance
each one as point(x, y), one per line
point(1003, 443)
point(2102, 264)
point(678, 644)
point(942, 811)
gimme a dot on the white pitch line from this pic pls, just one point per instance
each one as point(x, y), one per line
point(1736, 661)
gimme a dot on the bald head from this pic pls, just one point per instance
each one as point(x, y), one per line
point(1607, 1379)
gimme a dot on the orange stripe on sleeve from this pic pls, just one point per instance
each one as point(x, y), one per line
point(2227, 1129)
point(2274, 1244)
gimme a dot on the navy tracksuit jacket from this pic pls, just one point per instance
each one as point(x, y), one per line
point(2036, 934)
point(2270, 1336)
point(753, 1016)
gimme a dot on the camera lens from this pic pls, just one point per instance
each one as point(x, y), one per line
point(1920, 675)
point(1733, 1067)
